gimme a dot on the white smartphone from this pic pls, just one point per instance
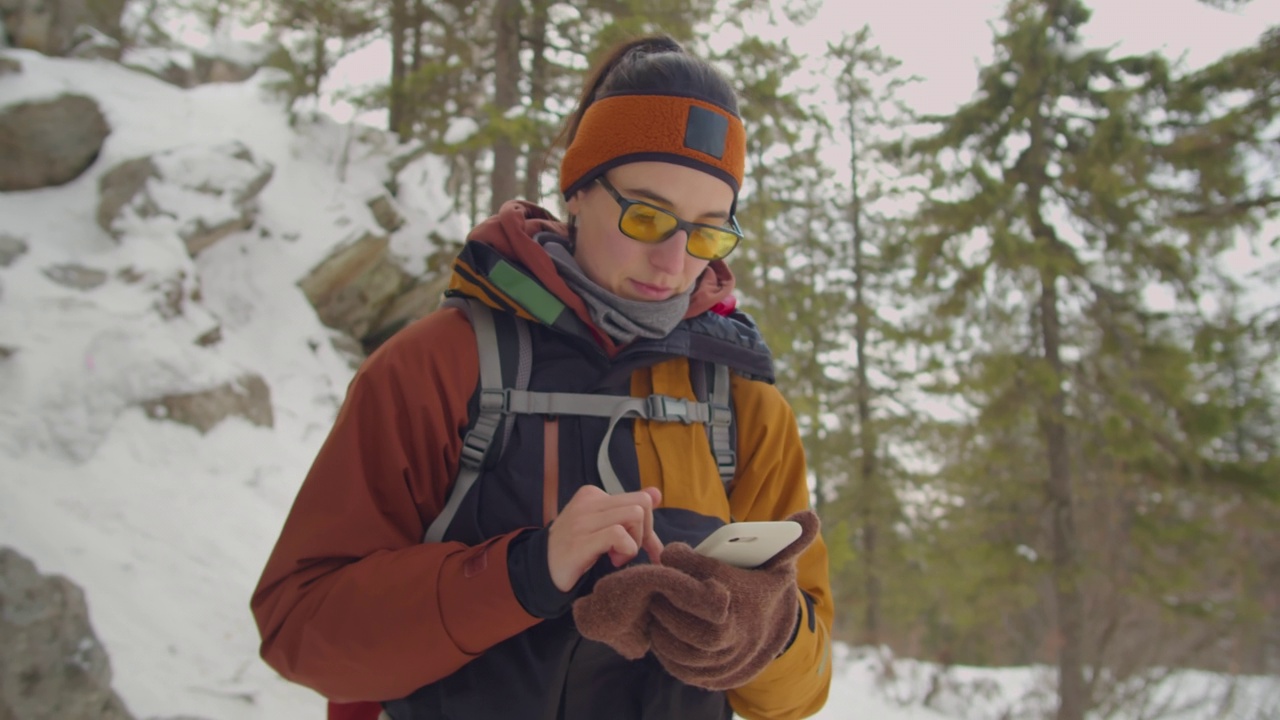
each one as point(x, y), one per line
point(749, 544)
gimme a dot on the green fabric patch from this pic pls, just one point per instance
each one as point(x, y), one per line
point(526, 291)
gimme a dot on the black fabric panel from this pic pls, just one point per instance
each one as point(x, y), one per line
point(520, 677)
point(602, 684)
point(531, 577)
point(548, 672)
point(808, 602)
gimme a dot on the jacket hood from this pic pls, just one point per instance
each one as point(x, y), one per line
point(509, 236)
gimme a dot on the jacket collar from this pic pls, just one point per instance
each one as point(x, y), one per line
point(504, 266)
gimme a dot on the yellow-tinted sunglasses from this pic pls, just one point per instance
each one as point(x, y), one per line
point(651, 224)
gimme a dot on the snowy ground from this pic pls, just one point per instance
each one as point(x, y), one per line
point(167, 530)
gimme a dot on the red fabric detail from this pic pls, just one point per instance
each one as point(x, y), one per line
point(354, 711)
point(725, 307)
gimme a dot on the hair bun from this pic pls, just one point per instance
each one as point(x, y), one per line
point(656, 45)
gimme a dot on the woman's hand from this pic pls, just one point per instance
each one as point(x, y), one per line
point(594, 523)
point(709, 624)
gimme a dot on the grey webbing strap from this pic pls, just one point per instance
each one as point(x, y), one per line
point(524, 367)
point(497, 403)
point(476, 444)
point(720, 425)
point(661, 408)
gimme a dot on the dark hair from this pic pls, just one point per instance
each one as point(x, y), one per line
point(653, 64)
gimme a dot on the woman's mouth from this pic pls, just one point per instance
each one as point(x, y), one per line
point(650, 292)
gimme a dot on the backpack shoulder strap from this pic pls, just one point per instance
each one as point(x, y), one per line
point(492, 419)
point(504, 383)
point(721, 429)
point(711, 385)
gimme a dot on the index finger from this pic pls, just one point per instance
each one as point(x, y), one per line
point(652, 543)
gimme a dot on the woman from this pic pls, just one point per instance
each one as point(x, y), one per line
point(541, 594)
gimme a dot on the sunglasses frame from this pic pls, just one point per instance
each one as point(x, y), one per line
point(624, 204)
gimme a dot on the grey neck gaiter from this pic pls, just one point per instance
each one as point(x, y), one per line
point(624, 320)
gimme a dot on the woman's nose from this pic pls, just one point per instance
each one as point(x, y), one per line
point(668, 255)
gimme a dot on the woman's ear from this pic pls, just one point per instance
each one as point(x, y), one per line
point(574, 204)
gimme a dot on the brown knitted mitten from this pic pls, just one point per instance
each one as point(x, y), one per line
point(710, 624)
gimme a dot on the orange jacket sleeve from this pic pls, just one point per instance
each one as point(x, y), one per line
point(771, 483)
point(352, 603)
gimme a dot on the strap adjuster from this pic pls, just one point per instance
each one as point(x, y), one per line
point(667, 409)
point(498, 400)
point(720, 414)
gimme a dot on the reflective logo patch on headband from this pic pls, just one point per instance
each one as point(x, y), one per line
point(706, 132)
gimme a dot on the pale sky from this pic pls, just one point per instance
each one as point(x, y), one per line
point(944, 41)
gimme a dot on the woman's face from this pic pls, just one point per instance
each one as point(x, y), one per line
point(632, 269)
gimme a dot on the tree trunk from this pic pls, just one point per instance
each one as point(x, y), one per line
point(1072, 692)
point(867, 468)
point(813, 373)
point(413, 95)
point(538, 80)
point(506, 96)
point(396, 102)
point(319, 63)
point(1073, 695)
point(1066, 561)
point(473, 188)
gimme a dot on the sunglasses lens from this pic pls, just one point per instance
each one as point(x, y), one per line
point(647, 224)
point(711, 244)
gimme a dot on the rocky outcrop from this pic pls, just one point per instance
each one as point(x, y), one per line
point(76, 277)
point(203, 194)
point(56, 27)
point(352, 287)
point(385, 213)
point(187, 69)
point(93, 44)
point(49, 142)
point(11, 248)
point(208, 69)
point(52, 666)
point(362, 291)
point(120, 186)
point(248, 397)
point(414, 303)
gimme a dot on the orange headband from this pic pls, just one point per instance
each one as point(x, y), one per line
point(668, 128)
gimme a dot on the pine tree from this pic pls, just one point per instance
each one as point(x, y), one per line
point(315, 35)
point(507, 18)
point(1057, 200)
point(791, 249)
point(512, 68)
point(867, 88)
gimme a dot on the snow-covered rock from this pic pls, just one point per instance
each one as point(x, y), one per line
point(11, 248)
point(51, 662)
point(187, 68)
point(49, 142)
point(352, 286)
point(202, 194)
point(247, 396)
point(159, 409)
point(53, 27)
